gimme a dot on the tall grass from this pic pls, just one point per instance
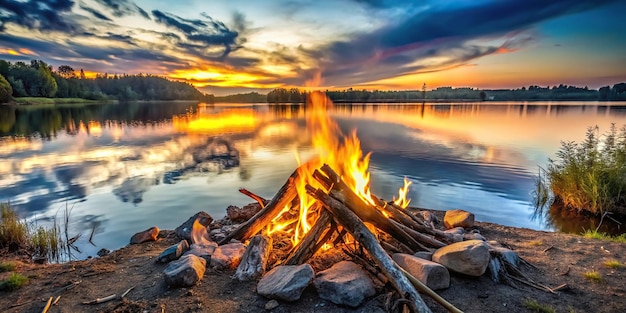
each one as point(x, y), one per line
point(38, 241)
point(587, 176)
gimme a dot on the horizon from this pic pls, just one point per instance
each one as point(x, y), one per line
point(232, 47)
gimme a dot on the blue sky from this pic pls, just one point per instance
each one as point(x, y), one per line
point(236, 46)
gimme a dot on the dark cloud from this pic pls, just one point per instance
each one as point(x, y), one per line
point(95, 13)
point(436, 29)
point(200, 35)
point(121, 8)
point(42, 15)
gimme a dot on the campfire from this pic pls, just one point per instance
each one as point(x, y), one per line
point(326, 205)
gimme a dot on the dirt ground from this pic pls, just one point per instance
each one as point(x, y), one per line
point(558, 258)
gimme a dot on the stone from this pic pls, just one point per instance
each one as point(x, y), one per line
point(474, 236)
point(469, 257)
point(458, 218)
point(102, 252)
point(345, 283)
point(149, 234)
point(505, 254)
point(185, 272)
point(204, 250)
point(173, 252)
point(227, 256)
point(272, 304)
point(426, 255)
point(217, 234)
point(285, 282)
point(455, 230)
point(433, 275)
point(240, 215)
point(184, 230)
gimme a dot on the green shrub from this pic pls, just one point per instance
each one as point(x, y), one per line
point(13, 231)
point(14, 282)
point(6, 267)
point(588, 176)
point(594, 234)
point(534, 306)
point(5, 90)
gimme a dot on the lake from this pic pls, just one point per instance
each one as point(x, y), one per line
point(122, 168)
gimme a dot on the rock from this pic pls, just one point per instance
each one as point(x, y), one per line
point(466, 257)
point(204, 250)
point(507, 255)
point(185, 272)
point(455, 230)
point(433, 275)
point(458, 218)
point(426, 255)
point(270, 305)
point(474, 236)
point(149, 234)
point(345, 283)
point(240, 215)
point(184, 230)
point(227, 256)
point(285, 282)
point(217, 235)
point(102, 252)
point(173, 252)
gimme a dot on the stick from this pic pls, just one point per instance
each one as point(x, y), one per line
point(47, 307)
point(254, 196)
point(56, 301)
point(248, 229)
point(101, 300)
point(423, 288)
point(421, 237)
point(351, 222)
point(307, 246)
point(126, 292)
point(254, 259)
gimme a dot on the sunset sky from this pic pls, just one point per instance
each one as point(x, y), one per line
point(225, 47)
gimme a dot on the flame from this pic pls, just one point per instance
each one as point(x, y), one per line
point(402, 200)
point(199, 233)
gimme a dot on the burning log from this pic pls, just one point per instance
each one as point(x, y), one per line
point(311, 241)
point(255, 258)
point(355, 226)
point(248, 229)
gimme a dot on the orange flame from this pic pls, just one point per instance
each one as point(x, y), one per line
point(402, 201)
point(199, 233)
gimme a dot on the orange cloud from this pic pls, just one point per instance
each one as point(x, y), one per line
point(18, 52)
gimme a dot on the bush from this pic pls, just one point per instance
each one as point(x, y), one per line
point(13, 231)
point(5, 90)
point(589, 176)
point(14, 282)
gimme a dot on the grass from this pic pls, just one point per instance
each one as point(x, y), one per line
point(14, 282)
point(535, 243)
point(16, 235)
point(534, 306)
point(594, 234)
point(587, 176)
point(7, 267)
point(593, 276)
point(614, 264)
point(53, 101)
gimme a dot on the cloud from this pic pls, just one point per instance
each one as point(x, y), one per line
point(95, 13)
point(42, 15)
point(199, 35)
point(121, 8)
point(437, 29)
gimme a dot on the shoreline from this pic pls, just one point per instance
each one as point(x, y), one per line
point(556, 259)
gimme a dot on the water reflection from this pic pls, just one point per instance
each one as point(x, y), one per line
point(133, 166)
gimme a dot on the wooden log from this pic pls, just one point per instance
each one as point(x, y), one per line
point(351, 222)
point(254, 196)
point(284, 196)
point(254, 259)
point(367, 212)
point(421, 237)
point(307, 247)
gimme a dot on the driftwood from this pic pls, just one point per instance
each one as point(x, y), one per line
point(47, 307)
point(254, 196)
point(248, 229)
point(309, 244)
point(355, 226)
point(429, 241)
point(101, 300)
point(254, 259)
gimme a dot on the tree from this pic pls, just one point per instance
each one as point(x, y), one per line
point(482, 95)
point(66, 72)
point(82, 74)
point(5, 90)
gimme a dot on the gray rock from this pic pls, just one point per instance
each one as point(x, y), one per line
point(345, 283)
point(184, 230)
point(185, 272)
point(455, 230)
point(227, 256)
point(433, 275)
point(272, 304)
point(203, 250)
point(426, 255)
point(505, 254)
point(217, 235)
point(149, 234)
point(466, 257)
point(458, 218)
point(173, 252)
point(102, 252)
point(474, 236)
point(285, 282)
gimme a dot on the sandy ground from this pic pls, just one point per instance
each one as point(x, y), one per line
point(558, 258)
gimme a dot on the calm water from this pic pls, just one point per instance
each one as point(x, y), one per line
point(124, 168)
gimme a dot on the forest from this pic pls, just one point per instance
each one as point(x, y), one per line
point(39, 79)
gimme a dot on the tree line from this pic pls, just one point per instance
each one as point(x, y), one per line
point(38, 79)
point(533, 92)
